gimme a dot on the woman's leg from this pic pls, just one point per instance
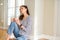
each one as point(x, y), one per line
point(13, 28)
point(21, 38)
point(16, 30)
point(16, 33)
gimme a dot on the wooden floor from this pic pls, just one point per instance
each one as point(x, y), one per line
point(2, 34)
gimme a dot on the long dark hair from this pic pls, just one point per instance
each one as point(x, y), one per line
point(21, 16)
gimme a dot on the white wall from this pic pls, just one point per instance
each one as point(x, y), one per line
point(48, 20)
point(58, 20)
point(39, 9)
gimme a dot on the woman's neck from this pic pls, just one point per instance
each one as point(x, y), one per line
point(25, 15)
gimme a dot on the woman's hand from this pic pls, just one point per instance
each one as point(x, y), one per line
point(22, 27)
point(17, 21)
point(12, 19)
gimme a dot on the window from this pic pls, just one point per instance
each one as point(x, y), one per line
point(13, 9)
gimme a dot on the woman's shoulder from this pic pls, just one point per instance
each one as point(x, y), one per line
point(29, 17)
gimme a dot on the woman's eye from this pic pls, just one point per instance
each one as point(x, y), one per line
point(21, 8)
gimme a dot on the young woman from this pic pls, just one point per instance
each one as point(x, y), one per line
point(21, 28)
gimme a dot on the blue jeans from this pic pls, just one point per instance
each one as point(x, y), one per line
point(13, 28)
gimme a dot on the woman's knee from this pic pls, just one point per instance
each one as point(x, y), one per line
point(13, 22)
point(21, 38)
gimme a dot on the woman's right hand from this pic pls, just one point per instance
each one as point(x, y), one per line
point(17, 21)
point(12, 19)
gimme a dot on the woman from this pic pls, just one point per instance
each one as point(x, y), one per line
point(21, 28)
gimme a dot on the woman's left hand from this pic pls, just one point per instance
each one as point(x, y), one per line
point(22, 27)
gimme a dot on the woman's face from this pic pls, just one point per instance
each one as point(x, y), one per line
point(23, 10)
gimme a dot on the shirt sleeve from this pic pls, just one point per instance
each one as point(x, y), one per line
point(28, 27)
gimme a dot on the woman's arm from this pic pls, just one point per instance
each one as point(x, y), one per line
point(27, 28)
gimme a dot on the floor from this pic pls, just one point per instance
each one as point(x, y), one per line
point(2, 34)
point(40, 37)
